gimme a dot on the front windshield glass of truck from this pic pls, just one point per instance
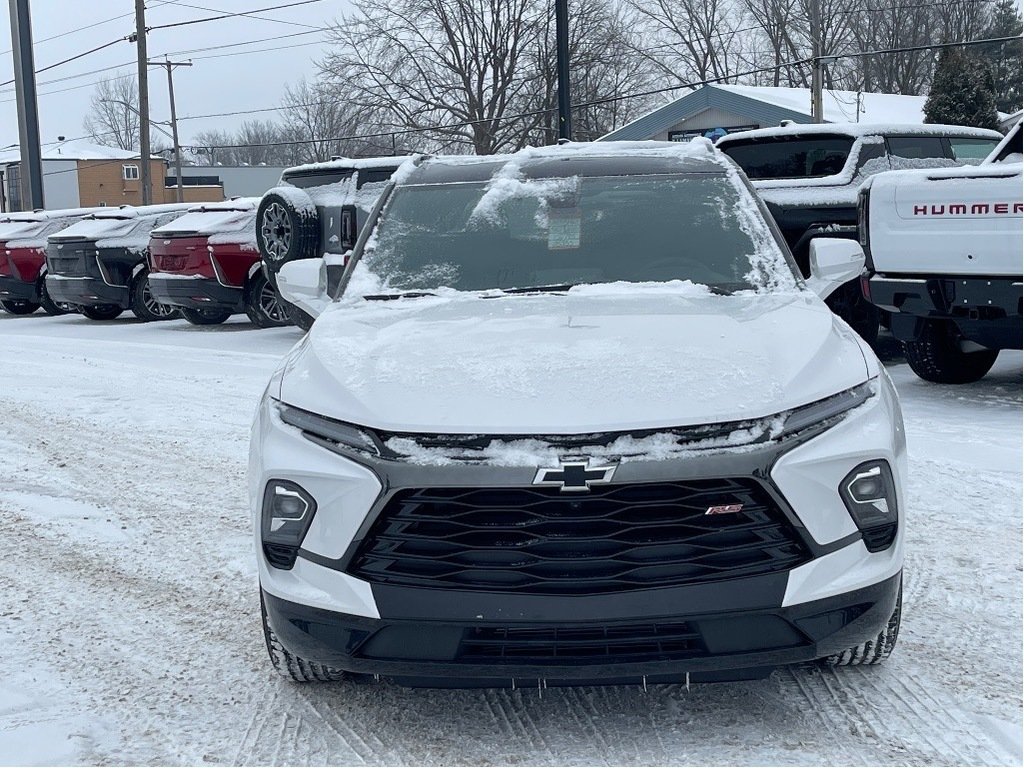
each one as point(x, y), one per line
point(568, 231)
point(791, 158)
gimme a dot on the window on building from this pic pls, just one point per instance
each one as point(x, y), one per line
point(131, 172)
point(14, 187)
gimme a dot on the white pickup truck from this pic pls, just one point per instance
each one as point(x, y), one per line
point(944, 259)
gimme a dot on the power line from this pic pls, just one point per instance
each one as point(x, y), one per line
point(912, 48)
point(247, 14)
point(231, 15)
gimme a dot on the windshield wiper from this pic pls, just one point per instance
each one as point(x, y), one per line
point(539, 289)
point(393, 296)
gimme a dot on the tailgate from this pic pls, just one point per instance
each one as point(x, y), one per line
point(952, 225)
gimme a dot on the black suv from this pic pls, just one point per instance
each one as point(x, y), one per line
point(318, 209)
point(100, 263)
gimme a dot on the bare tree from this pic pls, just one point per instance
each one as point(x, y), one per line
point(689, 40)
point(320, 116)
point(427, 63)
point(113, 118)
point(604, 68)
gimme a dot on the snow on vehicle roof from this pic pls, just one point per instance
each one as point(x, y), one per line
point(29, 229)
point(204, 222)
point(347, 163)
point(594, 158)
point(856, 130)
point(125, 227)
point(234, 204)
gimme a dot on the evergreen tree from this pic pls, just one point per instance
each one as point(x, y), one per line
point(1005, 59)
point(962, 92)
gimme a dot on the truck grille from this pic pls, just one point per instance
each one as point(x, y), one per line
point(542, 541)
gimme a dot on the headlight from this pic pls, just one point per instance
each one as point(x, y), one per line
point(830, 407)
point(287, 512)
point(328, 432)
point(869, 493)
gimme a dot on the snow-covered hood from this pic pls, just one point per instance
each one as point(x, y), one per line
point(569, 364)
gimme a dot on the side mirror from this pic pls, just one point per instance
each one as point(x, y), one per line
point(834, 261)
point(304, 284)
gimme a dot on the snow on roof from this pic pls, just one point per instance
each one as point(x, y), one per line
point(75, 150)
point(857, 130)
point(839, 106)
point(348, 163)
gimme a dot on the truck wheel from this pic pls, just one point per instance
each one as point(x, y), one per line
point(292, 667)
point(936, 355)
point(860, 314)
point(287, 227)
point(877, 649)
point(19, 306)
point(143, 305)
point(101, 311)
point(262, 304)
point(205, 316)
point(50, 306)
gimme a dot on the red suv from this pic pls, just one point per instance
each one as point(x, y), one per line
point(23, 258)
point(207, 264)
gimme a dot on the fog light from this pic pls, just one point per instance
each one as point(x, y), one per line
point(287, 513)
point(869, 493)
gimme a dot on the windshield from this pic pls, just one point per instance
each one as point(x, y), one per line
point(790, 158)
point(512, 233)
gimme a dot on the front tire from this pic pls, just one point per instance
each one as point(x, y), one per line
point(262, 303)
point(290, 666)
point(936, 355)
point(19, 306)
point(143, 305)
point(877, 649)
point(102, 311)
point(205, 316)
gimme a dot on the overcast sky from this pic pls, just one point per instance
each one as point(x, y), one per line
point(250, 77)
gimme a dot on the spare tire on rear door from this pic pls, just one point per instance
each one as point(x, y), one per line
point(287, 227)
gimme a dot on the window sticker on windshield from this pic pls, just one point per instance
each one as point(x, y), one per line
point(563, 230)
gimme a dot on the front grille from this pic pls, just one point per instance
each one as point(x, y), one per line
point(587, 644)
point(543, 541)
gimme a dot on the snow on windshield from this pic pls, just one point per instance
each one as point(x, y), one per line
point(515, 231)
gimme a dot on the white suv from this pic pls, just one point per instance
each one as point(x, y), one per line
point(571, 415)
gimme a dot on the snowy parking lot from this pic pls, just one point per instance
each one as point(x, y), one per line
point(129, 627)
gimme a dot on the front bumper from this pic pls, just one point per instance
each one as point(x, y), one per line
point(86, 291)
point(988, 310)
point(13, 289)
point(682, 644)
point(323, 612)
point(193, 292)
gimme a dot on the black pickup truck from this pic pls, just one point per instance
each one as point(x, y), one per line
point(809, 176)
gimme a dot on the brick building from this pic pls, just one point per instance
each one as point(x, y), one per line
point(78, 174)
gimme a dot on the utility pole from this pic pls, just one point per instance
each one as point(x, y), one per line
point(170, 65)
point(31, 166)
point(562, 47)
point(816, 63)
point(140, 47)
